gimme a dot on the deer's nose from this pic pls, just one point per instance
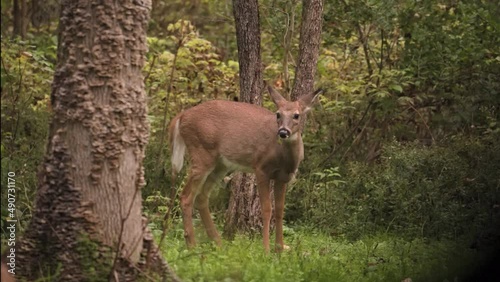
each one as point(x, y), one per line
point(283, 133)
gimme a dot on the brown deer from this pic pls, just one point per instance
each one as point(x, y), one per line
point(6, 276)
point(223, 136)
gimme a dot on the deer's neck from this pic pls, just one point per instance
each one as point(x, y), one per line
point(293, 153)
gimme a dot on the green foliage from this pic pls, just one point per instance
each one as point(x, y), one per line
point(50, 275)
point(315, 256)
point(26, 77)
point(96, 259)
point(417, 191)
point(184, 69)
point(426, 69)
point(213, 19)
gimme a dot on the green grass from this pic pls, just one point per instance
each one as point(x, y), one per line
point(318, 257)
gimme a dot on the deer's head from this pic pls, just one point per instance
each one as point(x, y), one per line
point(291, 115)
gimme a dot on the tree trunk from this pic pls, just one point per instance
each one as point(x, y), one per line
point(287, 44)
point(24, 19)
point(87, 219)
point(310, 40)
point(246, 16)
point(244, 212)
point(43, 12)
point(17, 19)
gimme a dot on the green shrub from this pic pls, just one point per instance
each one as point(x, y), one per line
point(26, 77)
point(447, 190)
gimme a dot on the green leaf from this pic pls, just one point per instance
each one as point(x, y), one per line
point(405, 100)
point(396, 87)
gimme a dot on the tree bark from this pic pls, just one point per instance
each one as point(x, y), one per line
point(287, 44)
point(24, 19)
point(310, 40)
point(244, 212)
point(17, 19)
point(247, 21)
point(87, 219)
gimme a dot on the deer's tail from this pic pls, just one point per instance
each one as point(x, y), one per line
point(177, 146)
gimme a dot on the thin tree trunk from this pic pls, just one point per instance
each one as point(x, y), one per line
point(310, 40)
point(287, 45)
point(247, 21)
point(19, 13)
point(24, 19)
point(17, 16)
point(43, 12)
point(87, 219)
point(244, 212)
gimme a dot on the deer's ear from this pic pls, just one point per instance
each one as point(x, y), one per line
point(275, 96)
point(307, 101)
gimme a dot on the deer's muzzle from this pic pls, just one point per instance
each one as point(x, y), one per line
point(284, 133)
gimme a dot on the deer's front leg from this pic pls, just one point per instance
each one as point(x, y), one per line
point(265, 203)
point(279, 205)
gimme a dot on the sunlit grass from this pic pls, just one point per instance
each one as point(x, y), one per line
point(315, 256)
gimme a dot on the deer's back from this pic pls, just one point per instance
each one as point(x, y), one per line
point(238, 131)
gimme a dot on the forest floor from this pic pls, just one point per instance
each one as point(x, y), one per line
point(314, 256)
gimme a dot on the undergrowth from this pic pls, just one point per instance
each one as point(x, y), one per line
point(315, 256)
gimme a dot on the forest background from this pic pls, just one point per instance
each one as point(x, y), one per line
point(401, 175)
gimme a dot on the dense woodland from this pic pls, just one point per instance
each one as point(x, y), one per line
point(401, 176)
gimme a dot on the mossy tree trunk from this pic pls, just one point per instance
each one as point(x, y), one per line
point(244, 212)
point(87, 224)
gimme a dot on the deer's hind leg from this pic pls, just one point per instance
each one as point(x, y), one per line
point(202, 199)
point(197, 176)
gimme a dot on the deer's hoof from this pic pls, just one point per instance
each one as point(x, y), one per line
point(280, 249)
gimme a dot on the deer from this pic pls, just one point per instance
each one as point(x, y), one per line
point(225, 136)
point(6, 276)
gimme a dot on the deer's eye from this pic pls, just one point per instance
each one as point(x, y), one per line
point(296, 116)
point(278, 115)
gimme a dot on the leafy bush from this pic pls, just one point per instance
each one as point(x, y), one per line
point(448, 190)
